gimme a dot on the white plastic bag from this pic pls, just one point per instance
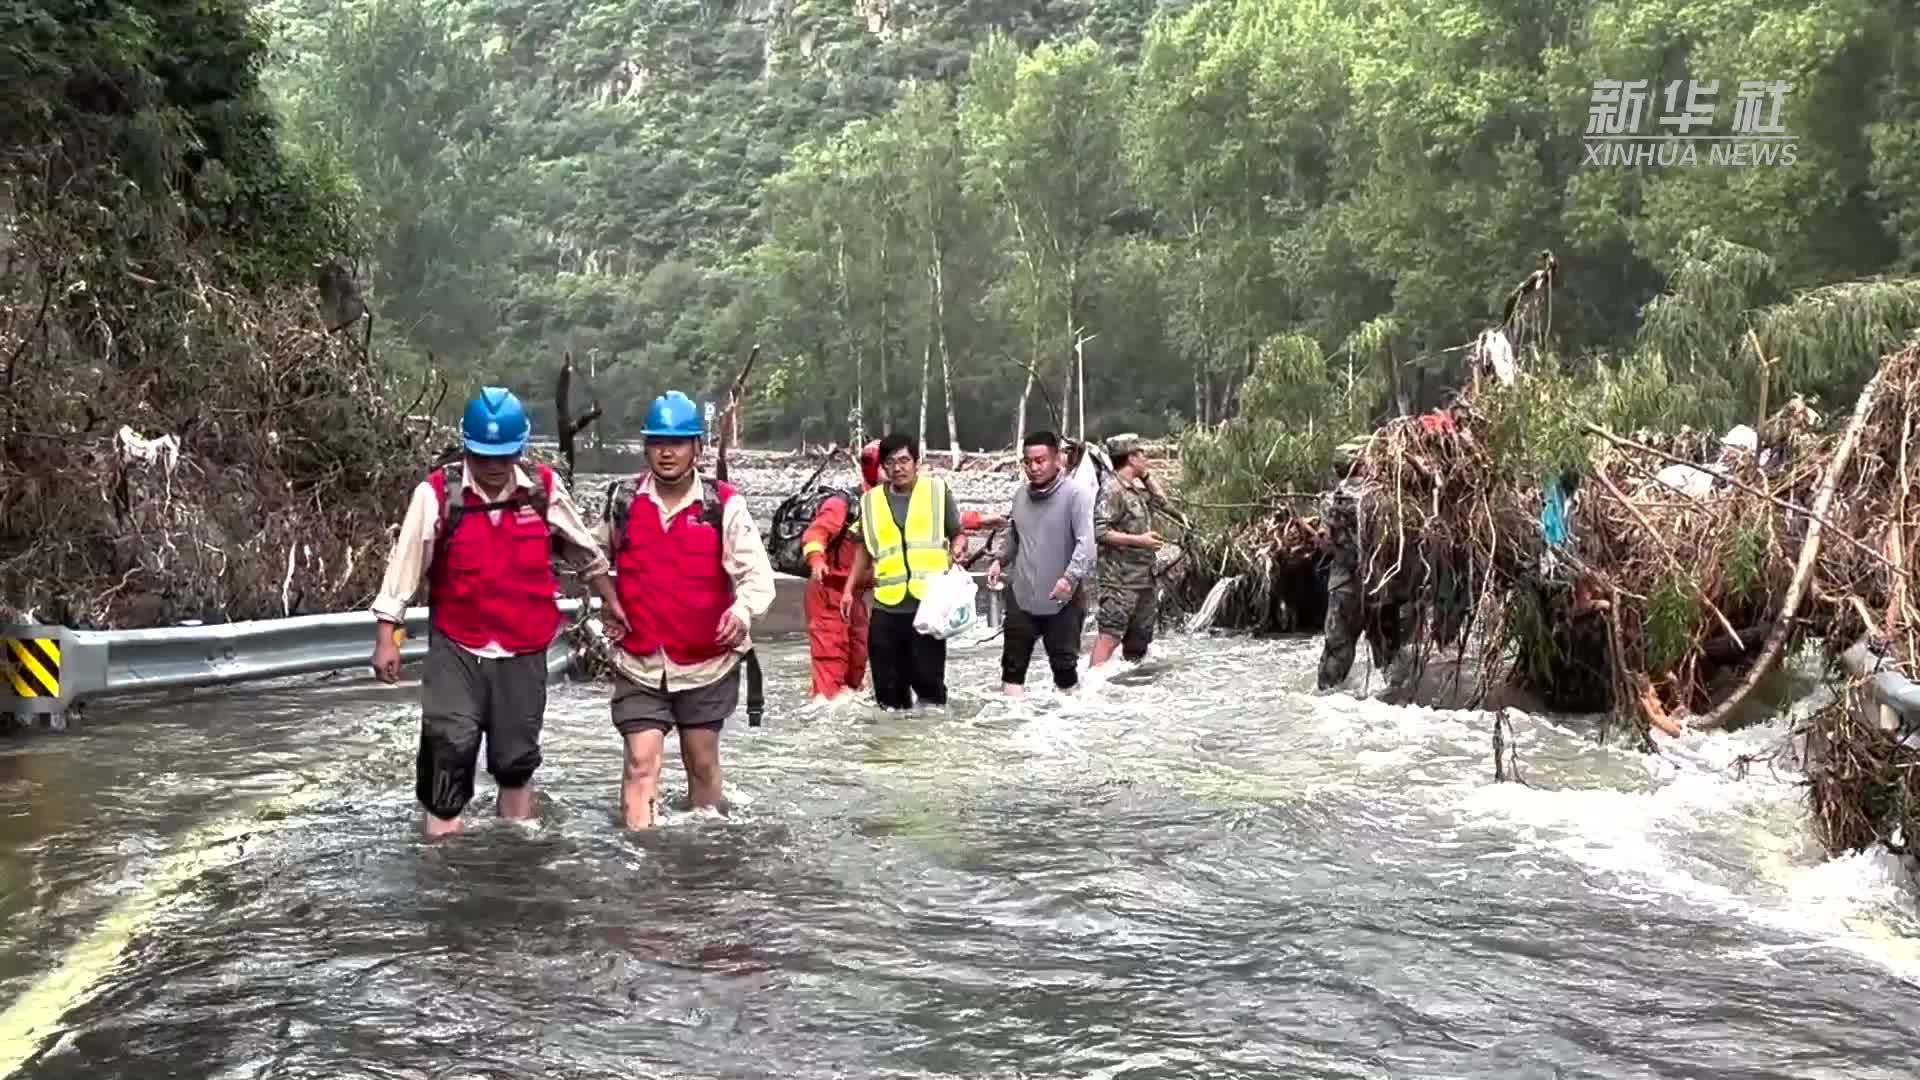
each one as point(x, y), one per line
point(948, 608)
point(1689, 479)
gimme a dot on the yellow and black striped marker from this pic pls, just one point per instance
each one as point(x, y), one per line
point(33, 667)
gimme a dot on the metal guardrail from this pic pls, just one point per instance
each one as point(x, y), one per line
point(45, 670)
point(51, 668)
point(1895, 698)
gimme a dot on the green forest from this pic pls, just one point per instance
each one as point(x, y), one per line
point(919, 207)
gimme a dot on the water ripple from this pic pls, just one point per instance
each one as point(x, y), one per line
point(1200, 869)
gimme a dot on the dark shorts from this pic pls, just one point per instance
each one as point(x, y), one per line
point(1127, 615)
point(648, 708)
point(1059, 632)
point(462, 697)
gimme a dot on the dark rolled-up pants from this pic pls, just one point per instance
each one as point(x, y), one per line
point(462, 697)
point(1058, 632)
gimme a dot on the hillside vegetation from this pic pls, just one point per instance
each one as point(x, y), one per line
point(898, 196)
point(182, 437)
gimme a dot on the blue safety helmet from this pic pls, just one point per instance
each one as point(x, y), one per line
point(674, 416)
point(495, 425)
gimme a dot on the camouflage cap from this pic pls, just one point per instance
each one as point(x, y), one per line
point(1119, 445)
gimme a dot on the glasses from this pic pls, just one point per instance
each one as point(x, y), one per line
point(899, 462)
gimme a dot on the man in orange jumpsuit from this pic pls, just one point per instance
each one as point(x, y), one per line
point(839, 646)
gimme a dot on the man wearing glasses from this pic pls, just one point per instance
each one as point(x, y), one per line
point(912, 532)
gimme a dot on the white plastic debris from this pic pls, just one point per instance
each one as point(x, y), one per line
point(1688, 479)
point(132, 447)
point(1087, 473)
point(1497, 352)
point(1741, 437)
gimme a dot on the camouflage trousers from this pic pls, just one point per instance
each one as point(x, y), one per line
point(1349, 617)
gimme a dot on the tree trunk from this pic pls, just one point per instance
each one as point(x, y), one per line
point(1398, 381)
point(946, 361)
point(1080, 389)
point(852, 346)
point(1064, 421)
point(953, 424)
point(1026, 391)
point(886, 382)
point(926, 362)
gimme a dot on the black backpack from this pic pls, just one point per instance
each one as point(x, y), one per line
point(787, 537)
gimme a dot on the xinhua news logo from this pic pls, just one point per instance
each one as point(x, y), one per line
point(1616, 135)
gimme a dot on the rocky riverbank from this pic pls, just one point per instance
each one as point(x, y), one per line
point(984, 481)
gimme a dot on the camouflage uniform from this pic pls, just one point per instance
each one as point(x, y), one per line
point(1128, 591)
point(1343, 591)
point(1350, 614)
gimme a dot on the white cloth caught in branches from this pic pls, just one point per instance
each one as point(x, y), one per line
point(165, 450)
point(132, 448)
point(1496, 352)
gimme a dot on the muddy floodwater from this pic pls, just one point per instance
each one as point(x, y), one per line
point(1200, 869)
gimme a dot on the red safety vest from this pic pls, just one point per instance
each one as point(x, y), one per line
point(495, 583)
point(671, 580)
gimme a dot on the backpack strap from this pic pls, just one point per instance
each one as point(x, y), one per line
point(453, 500)
point(454, 506)
point(542, 496)
point(620, 498)
point(619, 505)
point(849, 524)
point(714, 511)
point(450, 484)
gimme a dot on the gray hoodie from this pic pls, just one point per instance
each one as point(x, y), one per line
point(1049, 536)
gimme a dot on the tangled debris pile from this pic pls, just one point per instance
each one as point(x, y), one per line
point(252, 474)
point(1657, 579)
point(1265, 575)
point(1862, 753)
point(183, 434)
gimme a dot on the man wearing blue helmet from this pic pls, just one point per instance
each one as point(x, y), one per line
point(481, 533)
point(693, 574)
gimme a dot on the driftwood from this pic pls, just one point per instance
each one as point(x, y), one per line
point(567, 426)
point(728, 422)
point(1809, 552)
point(1672, 560)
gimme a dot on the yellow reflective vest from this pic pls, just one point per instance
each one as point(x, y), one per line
point(903, 563)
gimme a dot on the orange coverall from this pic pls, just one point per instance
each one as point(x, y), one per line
point(839, 646)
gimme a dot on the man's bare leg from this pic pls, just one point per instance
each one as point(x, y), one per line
point(1103, 649)
point(700, 753)
point(439, 826)
point(640, 777)
point(1013, 689)
point(517, 803)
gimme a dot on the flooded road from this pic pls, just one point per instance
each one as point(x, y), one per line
point(1199, 870)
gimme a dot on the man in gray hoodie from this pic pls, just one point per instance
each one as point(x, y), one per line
point(1048, 542)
